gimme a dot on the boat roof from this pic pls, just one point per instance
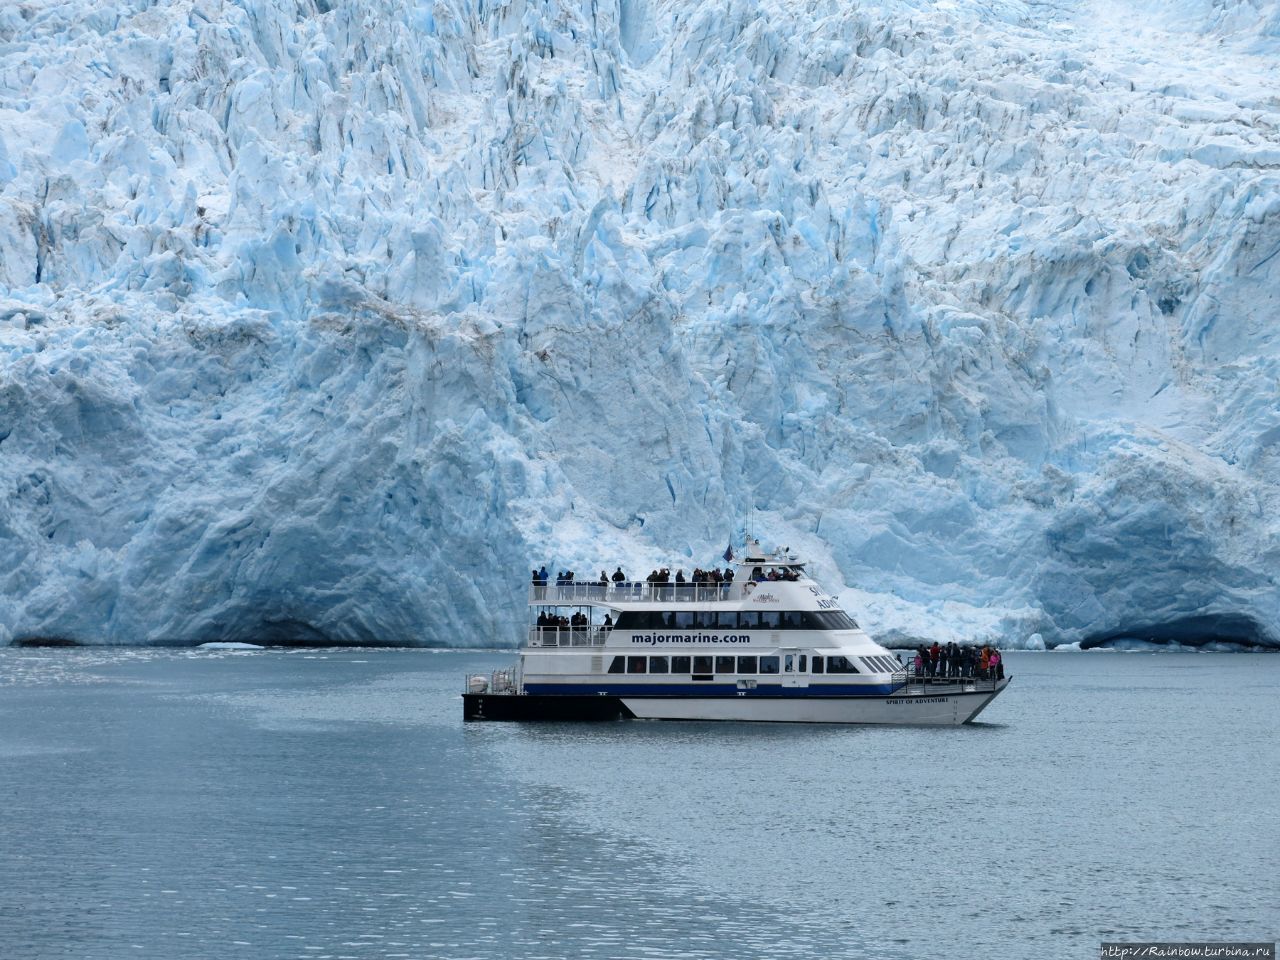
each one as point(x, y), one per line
point(754, 556)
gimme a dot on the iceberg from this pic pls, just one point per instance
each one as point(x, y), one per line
point(323, 321)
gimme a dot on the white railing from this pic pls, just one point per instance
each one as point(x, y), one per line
point(633, 591)
point(500, 681)
point(941, 684)
point(568, 636)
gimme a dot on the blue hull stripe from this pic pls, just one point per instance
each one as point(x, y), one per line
point(687, 691)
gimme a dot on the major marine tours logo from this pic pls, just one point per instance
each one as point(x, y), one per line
point(763, 598)
point(655, 638)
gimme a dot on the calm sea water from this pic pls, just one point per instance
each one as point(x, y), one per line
point(332, 804)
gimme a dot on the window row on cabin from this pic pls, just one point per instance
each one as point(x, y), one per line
point(735, 620)
point(788, 663)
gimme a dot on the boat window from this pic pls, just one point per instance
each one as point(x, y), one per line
point(680, 665)
point(701, 664)
point(636, 664)
point(789, 620)
point(727, 619)
point(746, 664)
point(840, 665)
point(817, 664)
point(640, 620)
point(789, 663)
point(828, 620)
point(748, 619)
point(618, 665)
point(769, 664)
point(769, 619)
point(658, 665)
point(804, 663)
point(684, 618)
point(725, 664)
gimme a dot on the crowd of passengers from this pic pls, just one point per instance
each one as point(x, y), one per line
point(699, 576)
point(956, 660)
point(663, 575)
point(578, 621)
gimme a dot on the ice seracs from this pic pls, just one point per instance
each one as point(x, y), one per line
point(318, 317)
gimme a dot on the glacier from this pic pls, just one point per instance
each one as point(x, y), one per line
point(323, 321)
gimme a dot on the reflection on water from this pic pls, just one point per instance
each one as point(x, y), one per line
point(332, 804)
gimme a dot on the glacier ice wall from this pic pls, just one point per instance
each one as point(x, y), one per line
point(326, 319)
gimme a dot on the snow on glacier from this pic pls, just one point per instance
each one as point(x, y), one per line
point(327, 319)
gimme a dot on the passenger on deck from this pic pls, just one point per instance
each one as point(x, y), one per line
point(619, 576)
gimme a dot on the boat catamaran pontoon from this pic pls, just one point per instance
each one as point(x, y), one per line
point(768, 645)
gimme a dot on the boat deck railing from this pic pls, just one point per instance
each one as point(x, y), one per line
point(913, 685)
point(639, 591)
point(568, 636)
point(500, 681)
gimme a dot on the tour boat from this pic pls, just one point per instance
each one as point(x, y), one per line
point(769, 644)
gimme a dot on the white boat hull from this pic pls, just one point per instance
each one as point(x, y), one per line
point(941, 707)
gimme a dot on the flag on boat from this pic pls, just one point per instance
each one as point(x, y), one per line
point(728, 554)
